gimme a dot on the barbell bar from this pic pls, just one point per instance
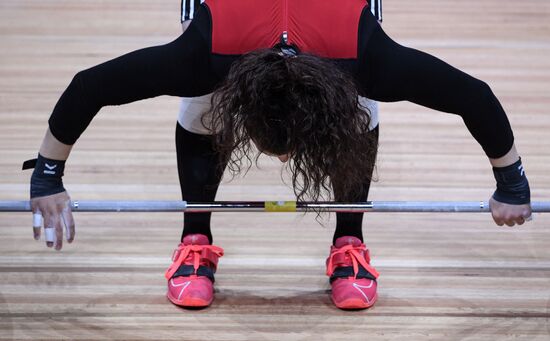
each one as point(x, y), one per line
point(271, 206)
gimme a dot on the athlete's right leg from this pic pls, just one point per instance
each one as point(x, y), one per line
point(191, 275)
point(200, 168)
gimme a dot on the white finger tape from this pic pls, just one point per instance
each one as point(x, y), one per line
point(529, 218)
point(50, 234)
point(37, 220)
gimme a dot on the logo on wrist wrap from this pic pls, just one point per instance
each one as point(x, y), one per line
point(50, 169)
point(521, 170)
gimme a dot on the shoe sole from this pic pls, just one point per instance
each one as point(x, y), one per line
point(355, 304)
point(189, 302)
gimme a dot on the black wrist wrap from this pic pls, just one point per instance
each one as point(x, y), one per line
point(512, 185)
point(46, 178)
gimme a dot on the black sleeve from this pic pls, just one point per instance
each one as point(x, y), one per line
point(180, 68)
point(390, 72)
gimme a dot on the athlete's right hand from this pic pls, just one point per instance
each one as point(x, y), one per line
point(50, 202)
point(55, 211)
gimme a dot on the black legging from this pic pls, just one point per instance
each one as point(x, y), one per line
point(200, 170)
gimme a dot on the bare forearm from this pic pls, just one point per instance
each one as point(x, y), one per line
point(506, 160)
point(51, 148)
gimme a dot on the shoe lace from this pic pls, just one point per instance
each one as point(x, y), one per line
point(358, 255)
point(196, 255)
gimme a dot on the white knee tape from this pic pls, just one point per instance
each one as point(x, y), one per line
point(50, 234)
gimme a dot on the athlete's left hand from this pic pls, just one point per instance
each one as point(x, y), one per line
point(507, 214)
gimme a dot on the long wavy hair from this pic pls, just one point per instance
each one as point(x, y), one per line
point(303, 106)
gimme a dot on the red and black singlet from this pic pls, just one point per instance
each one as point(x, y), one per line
point(325, 28)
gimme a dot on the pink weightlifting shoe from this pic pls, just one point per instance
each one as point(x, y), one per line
point(191, 275)
point(352, 278)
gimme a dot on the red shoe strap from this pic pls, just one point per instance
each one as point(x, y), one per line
point(205, 254)
point(358, 255)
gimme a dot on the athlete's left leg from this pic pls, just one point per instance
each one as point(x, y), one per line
point(350, 224)
point(352, 279)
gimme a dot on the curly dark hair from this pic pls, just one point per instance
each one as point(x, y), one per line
point(304, 106)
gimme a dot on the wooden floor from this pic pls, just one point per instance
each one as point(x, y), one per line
point(444, 276)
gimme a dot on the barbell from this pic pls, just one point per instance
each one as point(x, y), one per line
point(271, 206)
